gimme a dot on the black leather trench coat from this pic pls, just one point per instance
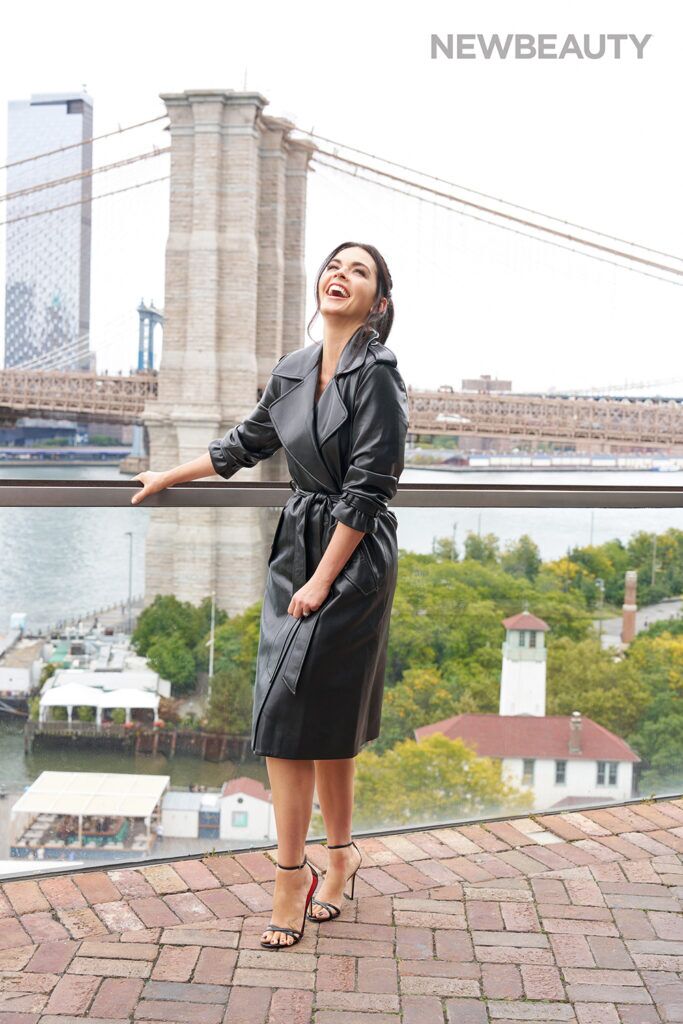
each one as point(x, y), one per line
point(320, 678)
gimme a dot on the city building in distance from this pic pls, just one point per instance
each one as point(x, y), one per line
point(47, 286)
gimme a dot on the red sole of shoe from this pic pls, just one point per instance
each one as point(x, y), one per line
point(288, 945)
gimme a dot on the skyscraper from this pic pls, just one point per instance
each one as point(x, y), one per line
point(47, 287)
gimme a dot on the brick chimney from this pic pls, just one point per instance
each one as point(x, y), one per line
point(575, 729)
point(629, 607)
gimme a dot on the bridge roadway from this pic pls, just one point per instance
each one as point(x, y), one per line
point(655, 423)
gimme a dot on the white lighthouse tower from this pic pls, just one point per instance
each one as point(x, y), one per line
point(522, 678)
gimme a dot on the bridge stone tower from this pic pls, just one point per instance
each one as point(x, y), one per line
point(234, 304)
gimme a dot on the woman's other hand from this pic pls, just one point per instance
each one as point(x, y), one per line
point(152, 484)
point(308, 598)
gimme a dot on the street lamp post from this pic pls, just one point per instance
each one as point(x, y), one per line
point(600, 584)
point(130, 581)
point(211, 645)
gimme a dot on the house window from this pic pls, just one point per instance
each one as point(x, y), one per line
point(532, 638)
point(560, 773)
point(522, 634)
point(528, 771)
point(239, 819)
point(607, 773)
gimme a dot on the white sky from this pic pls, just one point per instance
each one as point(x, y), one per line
point(595, 142)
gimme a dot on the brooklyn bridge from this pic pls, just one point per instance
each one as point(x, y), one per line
point(626, 423)
point(230, 183)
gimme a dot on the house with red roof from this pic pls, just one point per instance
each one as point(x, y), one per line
point(246, 811)
point(564, 759)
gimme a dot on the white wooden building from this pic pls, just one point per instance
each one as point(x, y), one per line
point(247, 811)
point(563, 759)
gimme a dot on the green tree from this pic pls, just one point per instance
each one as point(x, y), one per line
point(433, 781)
point(481, 549)
point(584, 677)
point(47, 670)
point(446, 548)
point(659, 741)
point(522, 558)
point(674, 627)
point(657, 736)
point(167, 616)
point(170, 657)
point(230, 708)
point(420, 698)
point(236, 641)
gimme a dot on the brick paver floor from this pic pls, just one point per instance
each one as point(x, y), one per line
point(568, 917)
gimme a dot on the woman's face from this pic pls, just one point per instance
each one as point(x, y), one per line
point(348, 285)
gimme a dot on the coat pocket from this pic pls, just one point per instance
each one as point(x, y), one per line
point(360, 571)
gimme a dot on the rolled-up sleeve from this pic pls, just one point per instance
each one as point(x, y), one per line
point(248, 442)
point(378, 434)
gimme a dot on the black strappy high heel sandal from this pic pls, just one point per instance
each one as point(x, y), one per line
point(296, 935)
point(333, 910)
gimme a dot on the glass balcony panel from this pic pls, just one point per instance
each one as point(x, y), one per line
point(98, 599)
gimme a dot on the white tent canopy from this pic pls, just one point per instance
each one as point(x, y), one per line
point(130, 679)
point(76, 695)
point(93, 793)
point(70, 696)
point(129, 699)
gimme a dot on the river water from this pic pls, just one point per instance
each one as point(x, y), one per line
point(18, 771)
point(59, 563)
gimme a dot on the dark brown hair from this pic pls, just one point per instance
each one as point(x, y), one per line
point(380, 322)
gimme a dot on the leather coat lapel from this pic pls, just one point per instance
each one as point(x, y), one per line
point(332, 410)
point(292, 414)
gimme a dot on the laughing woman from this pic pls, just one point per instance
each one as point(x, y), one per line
point(340, 411)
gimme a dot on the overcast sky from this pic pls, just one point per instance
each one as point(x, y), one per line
point(596, 142)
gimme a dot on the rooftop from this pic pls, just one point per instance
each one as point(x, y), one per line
point(531, 736)
point(525, 620)
point(572, 917)
point(87, 793)
point(250, 787)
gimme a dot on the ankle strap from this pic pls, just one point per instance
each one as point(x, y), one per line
point(339, 846)
point(293, 866)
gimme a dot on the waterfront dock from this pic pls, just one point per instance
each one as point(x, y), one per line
point(139, 739)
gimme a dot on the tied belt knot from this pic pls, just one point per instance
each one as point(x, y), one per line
point(309, 541)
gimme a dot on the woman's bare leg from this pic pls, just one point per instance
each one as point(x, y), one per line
point(292, 783)
point(334, 786)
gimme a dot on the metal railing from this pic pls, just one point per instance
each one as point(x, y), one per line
point(229, 494)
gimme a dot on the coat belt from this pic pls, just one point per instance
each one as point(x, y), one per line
point(308, 541)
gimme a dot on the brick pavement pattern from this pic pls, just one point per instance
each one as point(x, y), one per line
point(565, 917)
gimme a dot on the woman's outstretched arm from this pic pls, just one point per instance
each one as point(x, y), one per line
point(153, 482)
point(242, 446)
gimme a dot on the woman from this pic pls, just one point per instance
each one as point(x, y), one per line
point(340, 411)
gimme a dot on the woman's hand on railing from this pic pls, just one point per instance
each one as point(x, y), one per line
point(151, 482)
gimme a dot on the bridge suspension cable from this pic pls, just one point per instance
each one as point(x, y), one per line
point(83, 142)
point(79, 202)
point(73, 349)
point(503, 227)
point(483, 195)
point(30, 189)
